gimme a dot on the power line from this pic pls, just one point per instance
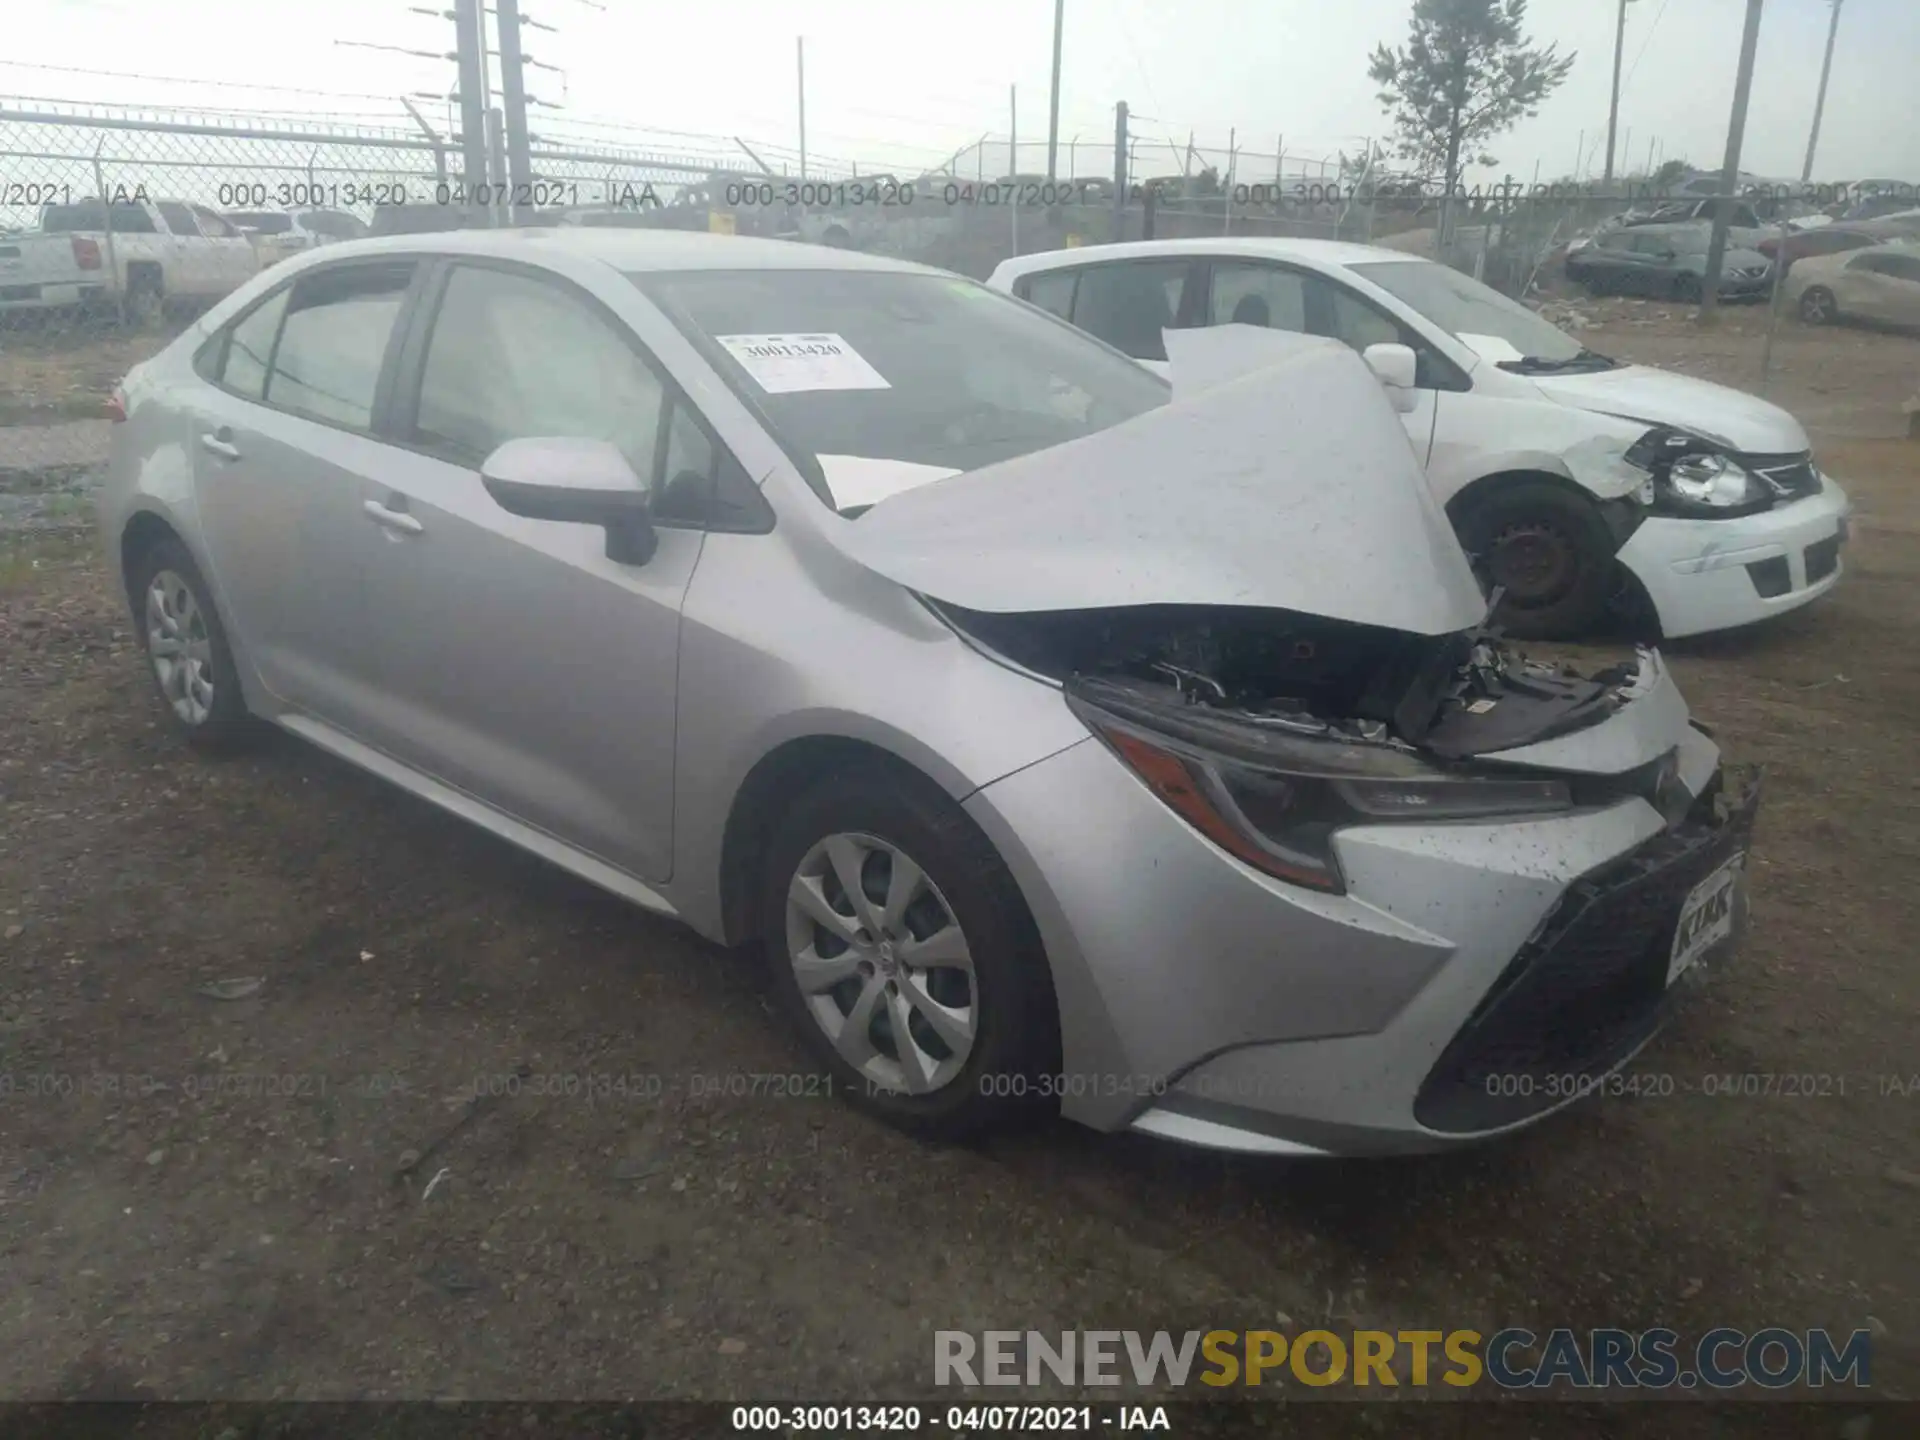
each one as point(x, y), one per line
point(1646, 40)
point(182, 80)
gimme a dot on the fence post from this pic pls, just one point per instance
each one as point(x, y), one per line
point(1773, 306)
point(106, 225)
point(1226, 197)
point(1013, 161)
point(433, 139)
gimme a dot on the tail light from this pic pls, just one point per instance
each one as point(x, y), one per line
point(86, 253)
point(117, 404)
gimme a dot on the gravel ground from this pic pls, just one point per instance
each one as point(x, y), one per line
point(356, 1178)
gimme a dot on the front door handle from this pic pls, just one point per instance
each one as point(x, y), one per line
point(220, 445)
point(392, 519)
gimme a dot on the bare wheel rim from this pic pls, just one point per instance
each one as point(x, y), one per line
point(1814, 306)
point(179, 646)
point(882, 964)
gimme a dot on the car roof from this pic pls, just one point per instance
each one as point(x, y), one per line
point(1318, 254)
point(628, 250)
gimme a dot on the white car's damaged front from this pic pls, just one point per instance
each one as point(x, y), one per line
point(1735, 521)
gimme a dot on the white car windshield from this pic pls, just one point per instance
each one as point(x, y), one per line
point(1472, 312)
point(919, 370)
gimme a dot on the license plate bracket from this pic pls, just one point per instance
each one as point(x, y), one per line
point(1706, 916)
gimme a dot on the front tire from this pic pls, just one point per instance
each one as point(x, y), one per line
point(1818, 306)
point(1552, 553)
point(187, 650)
point(900, 946)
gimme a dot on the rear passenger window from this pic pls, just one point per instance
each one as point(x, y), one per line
point(1052, 292)
point(1128, 303)
point(334, 341)
point(1262, 295)
point(179, 219)
point(250, 349)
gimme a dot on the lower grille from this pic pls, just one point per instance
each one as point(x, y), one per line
point(1770, 577)
point(1823, 558)
point(1792, 475)
point(1591, 987)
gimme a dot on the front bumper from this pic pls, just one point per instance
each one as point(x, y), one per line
point(1201, 1000)
point(1705, 575)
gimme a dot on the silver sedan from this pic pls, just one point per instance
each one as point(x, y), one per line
point(1066, 740)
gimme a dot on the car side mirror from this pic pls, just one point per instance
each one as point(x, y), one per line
point(578, 482)
point(1397, 368)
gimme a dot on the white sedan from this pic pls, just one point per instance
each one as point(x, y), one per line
point(1554, 462)
point(1879, 284)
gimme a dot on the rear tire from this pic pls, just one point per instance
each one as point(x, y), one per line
point(960, 968)
point(187, 651)
point(1552, 552)
point(146, 298)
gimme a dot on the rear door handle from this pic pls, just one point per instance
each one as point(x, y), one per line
point(392, 519)
point(220, 445)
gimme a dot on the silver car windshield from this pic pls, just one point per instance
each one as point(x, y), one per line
point(1461, 305)
point(882, 365)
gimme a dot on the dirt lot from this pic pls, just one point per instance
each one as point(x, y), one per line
point(169, 1229)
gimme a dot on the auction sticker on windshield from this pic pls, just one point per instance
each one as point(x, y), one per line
point(784, 364)
point(1706, 918)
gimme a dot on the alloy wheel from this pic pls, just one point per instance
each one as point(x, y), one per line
point(179, 647)
point(882, 964)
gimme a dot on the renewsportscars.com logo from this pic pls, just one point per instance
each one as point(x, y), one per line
point(1514, 1359)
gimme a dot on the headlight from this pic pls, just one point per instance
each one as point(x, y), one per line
point(1275, 799)
point(1690, 476)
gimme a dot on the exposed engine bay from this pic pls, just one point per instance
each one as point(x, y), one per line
point(1452, 696)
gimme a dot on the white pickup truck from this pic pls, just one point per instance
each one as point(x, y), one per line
point(154, 253)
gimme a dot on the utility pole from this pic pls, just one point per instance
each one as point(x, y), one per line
point(469, 24)
point(513, 100)
point(1730, 170)
point(1820, 103)
point(800, 54)
point(1119, 171)
point(1053, 104)
point(1613, 111)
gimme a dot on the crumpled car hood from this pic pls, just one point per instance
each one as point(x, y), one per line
point(1660, 397)
point(1282, 478)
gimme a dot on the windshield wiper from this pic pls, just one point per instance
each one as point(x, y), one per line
point(1540, 365)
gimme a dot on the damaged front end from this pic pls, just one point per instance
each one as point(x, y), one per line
point(1269, 731)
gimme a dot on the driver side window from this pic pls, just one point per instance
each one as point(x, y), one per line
point(513, 357)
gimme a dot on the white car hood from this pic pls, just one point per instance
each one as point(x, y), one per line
point(1286, 483)
point(1640, 392)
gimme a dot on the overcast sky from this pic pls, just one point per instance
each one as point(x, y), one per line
point(901, 82)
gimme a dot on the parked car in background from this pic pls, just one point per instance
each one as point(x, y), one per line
point(1573, 479)
point(276, 234)
point(862, 613)
point(1743, 220)
point(1891, 200)
point(1826, 240)
point(1880, 285)
point(416, 219)
point(1669, 262)
point(144, 254)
